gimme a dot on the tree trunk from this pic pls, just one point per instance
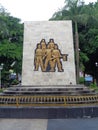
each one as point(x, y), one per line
point(77, 52)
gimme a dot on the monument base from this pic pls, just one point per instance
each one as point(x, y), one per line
point(63, 90)
point(58, 102)
point(51, 96)
point(48, 112)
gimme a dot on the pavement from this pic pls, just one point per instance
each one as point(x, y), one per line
point(49, 124)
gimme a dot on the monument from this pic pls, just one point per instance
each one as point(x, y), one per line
point(48, 89)
point(48, 54)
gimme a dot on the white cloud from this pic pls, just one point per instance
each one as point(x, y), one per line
point(33, 10)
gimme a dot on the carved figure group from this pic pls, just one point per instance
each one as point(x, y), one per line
point(48, 56)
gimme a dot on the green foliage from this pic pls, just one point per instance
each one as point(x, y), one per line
point(93, 85)
point(81, 80)
point(10, 50)
point(84, 57)
point(14, 82)
point(1, 90)
point(11, 41)
point(86, 19)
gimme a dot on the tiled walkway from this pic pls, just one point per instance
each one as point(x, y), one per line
point(51, 124)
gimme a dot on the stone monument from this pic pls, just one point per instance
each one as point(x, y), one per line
point(48, 54)
point(48, 89)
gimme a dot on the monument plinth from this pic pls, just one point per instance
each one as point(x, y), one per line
point(48, 54)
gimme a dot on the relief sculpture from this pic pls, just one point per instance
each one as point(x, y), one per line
point(48, 57)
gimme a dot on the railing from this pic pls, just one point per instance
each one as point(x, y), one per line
point(64, 101)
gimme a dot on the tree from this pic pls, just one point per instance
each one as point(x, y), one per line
point(89, 39)
point(11, 39)
point(73, 11)
point(85, 23)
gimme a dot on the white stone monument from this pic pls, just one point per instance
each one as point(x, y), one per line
point(61, 33)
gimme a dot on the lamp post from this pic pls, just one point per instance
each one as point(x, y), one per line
point(1, 67)
point(96, 64)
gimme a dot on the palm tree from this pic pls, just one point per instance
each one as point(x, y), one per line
point(3, 26)
point(73, 10)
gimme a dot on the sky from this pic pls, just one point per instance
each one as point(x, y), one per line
point(34, 10)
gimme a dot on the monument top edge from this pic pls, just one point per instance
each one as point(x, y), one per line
point(48, 21)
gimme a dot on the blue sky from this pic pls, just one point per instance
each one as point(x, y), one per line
point(34, 10)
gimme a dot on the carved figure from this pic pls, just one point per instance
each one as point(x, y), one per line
point(56, 55)
point(48, 56)
point(43, 47)
point(38, 58)
point(51, 44)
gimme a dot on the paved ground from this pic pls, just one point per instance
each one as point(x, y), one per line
point(51, 124)
point(23, 124)
point(73, 124)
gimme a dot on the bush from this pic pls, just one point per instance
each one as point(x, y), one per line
point(15, 82)
point(81, 80)
point(93, 85)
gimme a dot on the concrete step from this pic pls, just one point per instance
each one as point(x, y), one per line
point(38, 90)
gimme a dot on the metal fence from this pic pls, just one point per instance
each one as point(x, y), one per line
point(19, 101)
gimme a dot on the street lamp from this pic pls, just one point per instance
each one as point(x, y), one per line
point(1, 67)
point(96, 64)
